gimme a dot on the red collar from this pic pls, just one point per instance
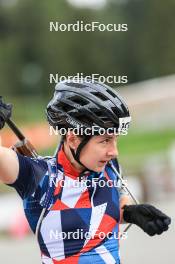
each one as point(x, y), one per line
point(68, 168)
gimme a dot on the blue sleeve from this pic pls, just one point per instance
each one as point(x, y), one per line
point(31, 171)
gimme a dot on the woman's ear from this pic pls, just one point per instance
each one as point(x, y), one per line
point(72, 140)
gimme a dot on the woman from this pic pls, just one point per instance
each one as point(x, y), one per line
point(74, 201)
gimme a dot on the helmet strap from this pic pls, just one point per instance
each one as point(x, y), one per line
point(76, 154)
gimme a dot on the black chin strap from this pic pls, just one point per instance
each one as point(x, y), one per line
point(76, 154)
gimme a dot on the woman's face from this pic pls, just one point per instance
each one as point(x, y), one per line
point(98, 151)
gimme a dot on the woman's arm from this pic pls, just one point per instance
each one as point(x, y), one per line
point(9, 165)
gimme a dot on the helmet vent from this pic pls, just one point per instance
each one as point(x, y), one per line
point(99, 113)
point(78, 100)
point(111, 93)
point(115, 111)
point(66, 107)
point(99, 95)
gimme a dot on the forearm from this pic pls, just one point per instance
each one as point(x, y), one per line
point(9, 165)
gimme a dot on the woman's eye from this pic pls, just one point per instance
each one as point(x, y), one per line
point(105, 141)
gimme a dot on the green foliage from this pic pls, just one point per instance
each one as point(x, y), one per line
point(29, 52)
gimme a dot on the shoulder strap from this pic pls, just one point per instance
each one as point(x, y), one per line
point(112, 175)
point(55, 174)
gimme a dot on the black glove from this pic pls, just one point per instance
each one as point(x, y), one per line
point(147, 217)
point(5, 112)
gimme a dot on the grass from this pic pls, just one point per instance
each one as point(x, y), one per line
point(147, 142)
point(135, 148)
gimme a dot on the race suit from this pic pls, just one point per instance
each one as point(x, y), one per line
point(81, 223)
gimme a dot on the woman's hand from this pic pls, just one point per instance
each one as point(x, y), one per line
point(147, 217)
point(5, 112)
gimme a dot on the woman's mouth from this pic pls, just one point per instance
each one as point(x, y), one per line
point(103, 162)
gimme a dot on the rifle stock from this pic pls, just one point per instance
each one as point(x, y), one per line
point(25, 148)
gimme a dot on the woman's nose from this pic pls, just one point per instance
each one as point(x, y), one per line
point(113, 151)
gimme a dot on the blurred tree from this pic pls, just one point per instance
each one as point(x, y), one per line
point(29, 52)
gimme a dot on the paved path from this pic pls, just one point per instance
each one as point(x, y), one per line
point(139, 248)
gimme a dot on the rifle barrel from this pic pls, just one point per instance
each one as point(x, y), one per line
point(15, 129)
